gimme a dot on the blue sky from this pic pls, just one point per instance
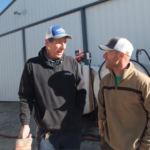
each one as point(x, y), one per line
point(4, 4)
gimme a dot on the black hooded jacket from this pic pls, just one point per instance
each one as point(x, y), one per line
point(57, 93)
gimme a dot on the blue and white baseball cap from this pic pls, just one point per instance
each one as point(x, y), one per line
point(56, 32)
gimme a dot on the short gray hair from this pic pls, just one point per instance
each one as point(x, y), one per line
point(50, 40)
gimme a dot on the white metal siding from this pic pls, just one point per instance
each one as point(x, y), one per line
point(35, 36)
point(11, 60)
point(36, 10)
point(124, 18)
point(119, 18)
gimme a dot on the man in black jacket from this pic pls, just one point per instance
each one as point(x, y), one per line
point(53, 84)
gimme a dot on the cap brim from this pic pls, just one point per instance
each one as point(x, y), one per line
point(62, 35)
point(105, 48)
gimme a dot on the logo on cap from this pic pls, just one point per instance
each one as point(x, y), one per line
point(60, 30)
point(127, 53)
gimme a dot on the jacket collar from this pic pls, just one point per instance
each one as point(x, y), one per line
point(126, 72)
point(46, 61)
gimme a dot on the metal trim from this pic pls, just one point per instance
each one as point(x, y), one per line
point(84, 30)
point(24, 45)
point(7, 7)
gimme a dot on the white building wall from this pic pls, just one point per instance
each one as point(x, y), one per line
point(35, 36)
point(124, 18)
point(119, 18)
point(36, 10)
point(11, 65)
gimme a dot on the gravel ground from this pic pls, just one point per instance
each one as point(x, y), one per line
point(10, 125)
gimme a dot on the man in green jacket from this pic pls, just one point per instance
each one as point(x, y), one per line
point(124, 100)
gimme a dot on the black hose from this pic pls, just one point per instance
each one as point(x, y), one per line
point(83, 138)
point(140, 50)
point(9, 137)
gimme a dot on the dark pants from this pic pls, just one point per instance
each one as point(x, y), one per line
point(59, 140)
point(105, 146)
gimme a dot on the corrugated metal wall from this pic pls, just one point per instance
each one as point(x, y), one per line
point(11, 65)
point(36, 10)
point(119, 18)
point(35, 36)
point(124, 18)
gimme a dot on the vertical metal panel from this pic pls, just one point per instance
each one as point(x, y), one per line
point(24, 44)
point(35, 11)
point(35, 36)
point(11, 65)
point(118, 18)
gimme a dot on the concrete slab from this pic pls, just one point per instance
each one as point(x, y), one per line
point(10, 125)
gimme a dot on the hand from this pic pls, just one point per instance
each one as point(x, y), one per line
point(101, 128)
point(141, 148)
point(24, 133)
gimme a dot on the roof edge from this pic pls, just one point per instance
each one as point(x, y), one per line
point(7, 7)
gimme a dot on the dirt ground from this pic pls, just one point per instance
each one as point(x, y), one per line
point(10, 125)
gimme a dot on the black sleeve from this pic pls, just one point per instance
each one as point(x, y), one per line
point(80, 91)
point(26, 95)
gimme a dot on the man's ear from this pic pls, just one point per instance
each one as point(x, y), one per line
point(46, 41)
point(47, 44)
point(121, 55)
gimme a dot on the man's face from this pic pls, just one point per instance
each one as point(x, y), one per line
point(112, 59)
point(56, 48)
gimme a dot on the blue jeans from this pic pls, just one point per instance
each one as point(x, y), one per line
point(59, 140)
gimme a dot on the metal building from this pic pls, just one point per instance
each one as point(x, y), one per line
point(91, 22)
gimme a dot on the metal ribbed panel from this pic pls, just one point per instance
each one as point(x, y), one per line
point(11, 21)
point(123, 18)
point(35, 36)
point(36, 10)
point(11, 60)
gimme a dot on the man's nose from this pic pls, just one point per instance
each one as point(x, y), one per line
point(63, 45)
point(104, 56)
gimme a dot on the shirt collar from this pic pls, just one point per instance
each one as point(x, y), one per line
point(53, 63)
